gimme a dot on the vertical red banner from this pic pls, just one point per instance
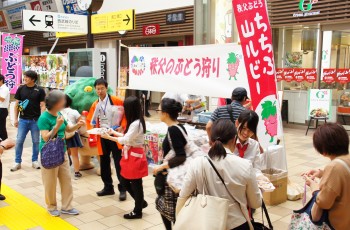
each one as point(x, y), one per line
point(256, 40)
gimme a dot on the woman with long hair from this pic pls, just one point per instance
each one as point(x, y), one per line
point(166, 200)
point(237, 173)
point(133, 163)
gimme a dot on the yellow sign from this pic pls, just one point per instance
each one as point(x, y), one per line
point(113, 22)
point(66, 35)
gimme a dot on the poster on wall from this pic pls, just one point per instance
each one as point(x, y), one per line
point(294, 60)
point(223, 21)
point(52, 69)
point(3, 23)
point(320, 102)
point(48, 5)
point(71, 7)
point(15, 16)
point(11, 62)
point(36, 6)
point(329, 75)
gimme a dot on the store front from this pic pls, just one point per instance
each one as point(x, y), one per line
point(311, 44)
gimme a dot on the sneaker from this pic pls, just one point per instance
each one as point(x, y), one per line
point(17, 166)
point(36, 165)
point(77, 175)
point(132, 215)
point(73, 211)
point(54, 213)
point(2, 197)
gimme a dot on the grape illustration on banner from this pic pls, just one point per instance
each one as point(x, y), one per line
point(269, 115)
point(232, 64)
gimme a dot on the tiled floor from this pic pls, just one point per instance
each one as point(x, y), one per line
point(98, 213)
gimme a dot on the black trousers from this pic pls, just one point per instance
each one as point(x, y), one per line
point(109, 147)
point(3, 115)
point(167, 223)
point(135, 189)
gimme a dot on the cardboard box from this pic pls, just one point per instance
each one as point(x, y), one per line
point(279, 179)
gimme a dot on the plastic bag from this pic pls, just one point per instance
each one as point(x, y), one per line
point(294, 191)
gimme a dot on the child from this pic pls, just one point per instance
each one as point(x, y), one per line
point(247, 147)
point(133, 163)
point(73, 143)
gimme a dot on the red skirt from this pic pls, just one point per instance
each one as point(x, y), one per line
point(134, 164)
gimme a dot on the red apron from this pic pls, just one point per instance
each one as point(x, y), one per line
point(133, 163)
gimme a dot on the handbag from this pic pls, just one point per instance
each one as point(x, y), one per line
point(203, 211)
point(301, 219)
point(52, 153)
point(252, 224)
point(177, 175)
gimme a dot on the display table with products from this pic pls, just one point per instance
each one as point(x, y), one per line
point(156, 133)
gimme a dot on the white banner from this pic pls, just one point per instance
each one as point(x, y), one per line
point(208, 70)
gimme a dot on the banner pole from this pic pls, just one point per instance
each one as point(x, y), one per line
point(54, 45)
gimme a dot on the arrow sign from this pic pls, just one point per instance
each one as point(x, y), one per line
point(127, 20)
point(112, 22)
point(32, 20)
point(54, 22)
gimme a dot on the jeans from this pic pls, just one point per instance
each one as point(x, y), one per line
point(109, 147)
point(3, 132)
point(24, 126)
point(135, 189)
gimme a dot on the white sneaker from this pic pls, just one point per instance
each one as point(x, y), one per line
point(16, 166)
point(36, 165)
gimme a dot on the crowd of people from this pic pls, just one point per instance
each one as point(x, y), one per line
point(234, 155)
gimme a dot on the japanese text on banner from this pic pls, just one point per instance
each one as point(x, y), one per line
point(12, 46)
point(256, 39)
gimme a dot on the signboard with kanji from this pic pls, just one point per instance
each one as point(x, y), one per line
point(113, 22)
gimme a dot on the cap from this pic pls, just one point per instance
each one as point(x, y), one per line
point(240, 92)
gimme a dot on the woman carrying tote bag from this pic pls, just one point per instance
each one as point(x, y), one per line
point(174, 143)
point(52, 125)
point(238, 174)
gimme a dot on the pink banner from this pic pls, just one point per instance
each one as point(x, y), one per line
point(11, 63)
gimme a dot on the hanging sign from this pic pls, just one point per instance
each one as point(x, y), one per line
point(310, 75)
point(113, 22)
point(289, 74)
point(299, 75)
point(279, 74)
point(11, 62)
point(343, 76)
point(329, 75)
point(54, 22)
point(15, 16)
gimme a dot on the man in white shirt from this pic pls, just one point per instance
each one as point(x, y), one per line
point(4, 104)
